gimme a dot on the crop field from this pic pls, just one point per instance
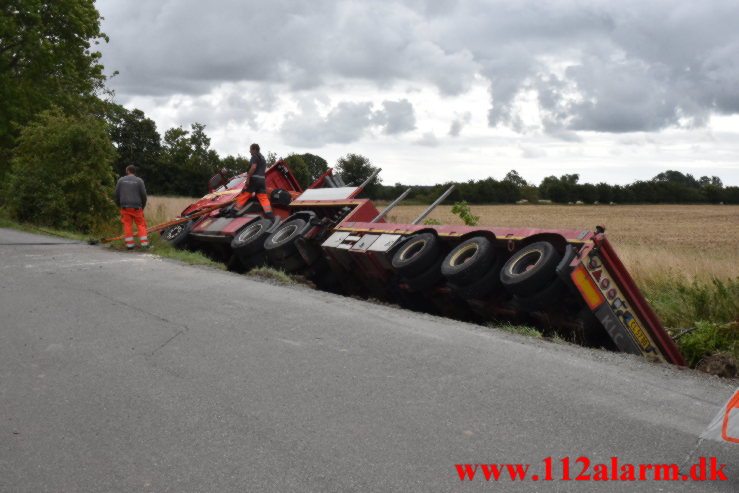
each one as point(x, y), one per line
point(695, 242)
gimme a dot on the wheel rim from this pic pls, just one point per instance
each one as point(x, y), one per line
point(173, 232)
point(285, 232)
point(526, 262)
point(464, 254)
point(250, 232)
point(412, 250)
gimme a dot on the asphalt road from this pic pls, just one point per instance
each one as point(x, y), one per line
point(127, 372)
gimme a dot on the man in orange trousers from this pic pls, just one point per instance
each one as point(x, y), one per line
point(130, 197)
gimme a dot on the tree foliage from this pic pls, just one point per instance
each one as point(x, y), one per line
point(46, 58)
point(317, 166)
point(299, 169)
point(355, 169)
point(306, 168)
point(135, 137)
point(61, 173)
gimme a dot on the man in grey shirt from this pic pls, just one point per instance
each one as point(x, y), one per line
point(255, 183)
point(130, 197)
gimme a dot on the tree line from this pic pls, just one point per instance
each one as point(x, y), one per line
point(63, 141)
point(669, 187)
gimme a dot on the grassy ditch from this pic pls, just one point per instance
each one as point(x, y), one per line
point(695, 296)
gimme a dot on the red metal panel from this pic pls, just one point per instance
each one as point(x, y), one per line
point(622, 277)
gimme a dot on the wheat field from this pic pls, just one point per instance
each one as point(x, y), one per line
point(653, 241)
point(693, 241)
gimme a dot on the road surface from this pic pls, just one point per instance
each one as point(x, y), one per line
point(127, 372)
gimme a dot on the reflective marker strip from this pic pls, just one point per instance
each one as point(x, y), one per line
point(587, 287)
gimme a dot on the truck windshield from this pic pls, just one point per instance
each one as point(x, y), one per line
point(234, 181)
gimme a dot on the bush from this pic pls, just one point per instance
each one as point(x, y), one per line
point(462, 209)
point(708, 339)
point(61, 173)
point(681, 304)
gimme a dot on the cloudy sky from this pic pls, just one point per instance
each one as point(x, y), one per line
point(438, 90)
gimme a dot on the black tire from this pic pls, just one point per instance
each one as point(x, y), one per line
point(290, 264)
point(234, 264)
point(416, 255)
point(481, 288)
point(253, 260)
point(468, 261)
point(591, 332)
point(547, 297)
point(250, 238)
point(177, 235)
point(530, 269)
point(426, 280)
point(281, 243)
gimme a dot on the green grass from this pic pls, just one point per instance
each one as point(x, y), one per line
point(682, 304)
point(270, 273)
point(702, 316)
point(708, 338)
point(5, 222)
point(164, 249)
point(515, 329)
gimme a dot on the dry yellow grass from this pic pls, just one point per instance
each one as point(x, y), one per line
point(161, 209)
point(694, 241)
point(654, 241)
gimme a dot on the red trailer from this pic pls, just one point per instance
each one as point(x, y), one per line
point(569, 282)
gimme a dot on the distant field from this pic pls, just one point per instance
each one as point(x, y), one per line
point(696, 241)
point(692, 241)
point(160, 209)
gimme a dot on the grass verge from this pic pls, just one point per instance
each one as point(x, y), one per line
point(272, 274)
point(515, 329)
point(30, 228)
point(708, 308)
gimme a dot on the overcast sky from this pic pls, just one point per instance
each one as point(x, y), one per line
point(439, 90)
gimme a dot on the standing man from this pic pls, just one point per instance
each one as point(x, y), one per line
point(255, 183)
point(130, 197)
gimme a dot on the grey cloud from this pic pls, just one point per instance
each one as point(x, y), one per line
point(397, 117)
point(345, 123)
point(458, 124)
point(428, 139)
point(598, 65)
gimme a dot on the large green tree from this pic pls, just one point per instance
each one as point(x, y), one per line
point(355, 169)
point(46, 58)
point(185, 165)
point(316, 165)
point(61, 173)
point(135, 137)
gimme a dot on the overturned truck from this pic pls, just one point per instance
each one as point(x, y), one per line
point(566, 282)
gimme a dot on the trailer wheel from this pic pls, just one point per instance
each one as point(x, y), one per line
point(481, 288)
point(426, 280)
point(469, 261)
point(254, 260)
point(281, 243)
point(591, 332)
point(530, 269)
point(290, 264)
point(416, 255)
point(543, 299)
point(250, 238)
point(177, 235)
